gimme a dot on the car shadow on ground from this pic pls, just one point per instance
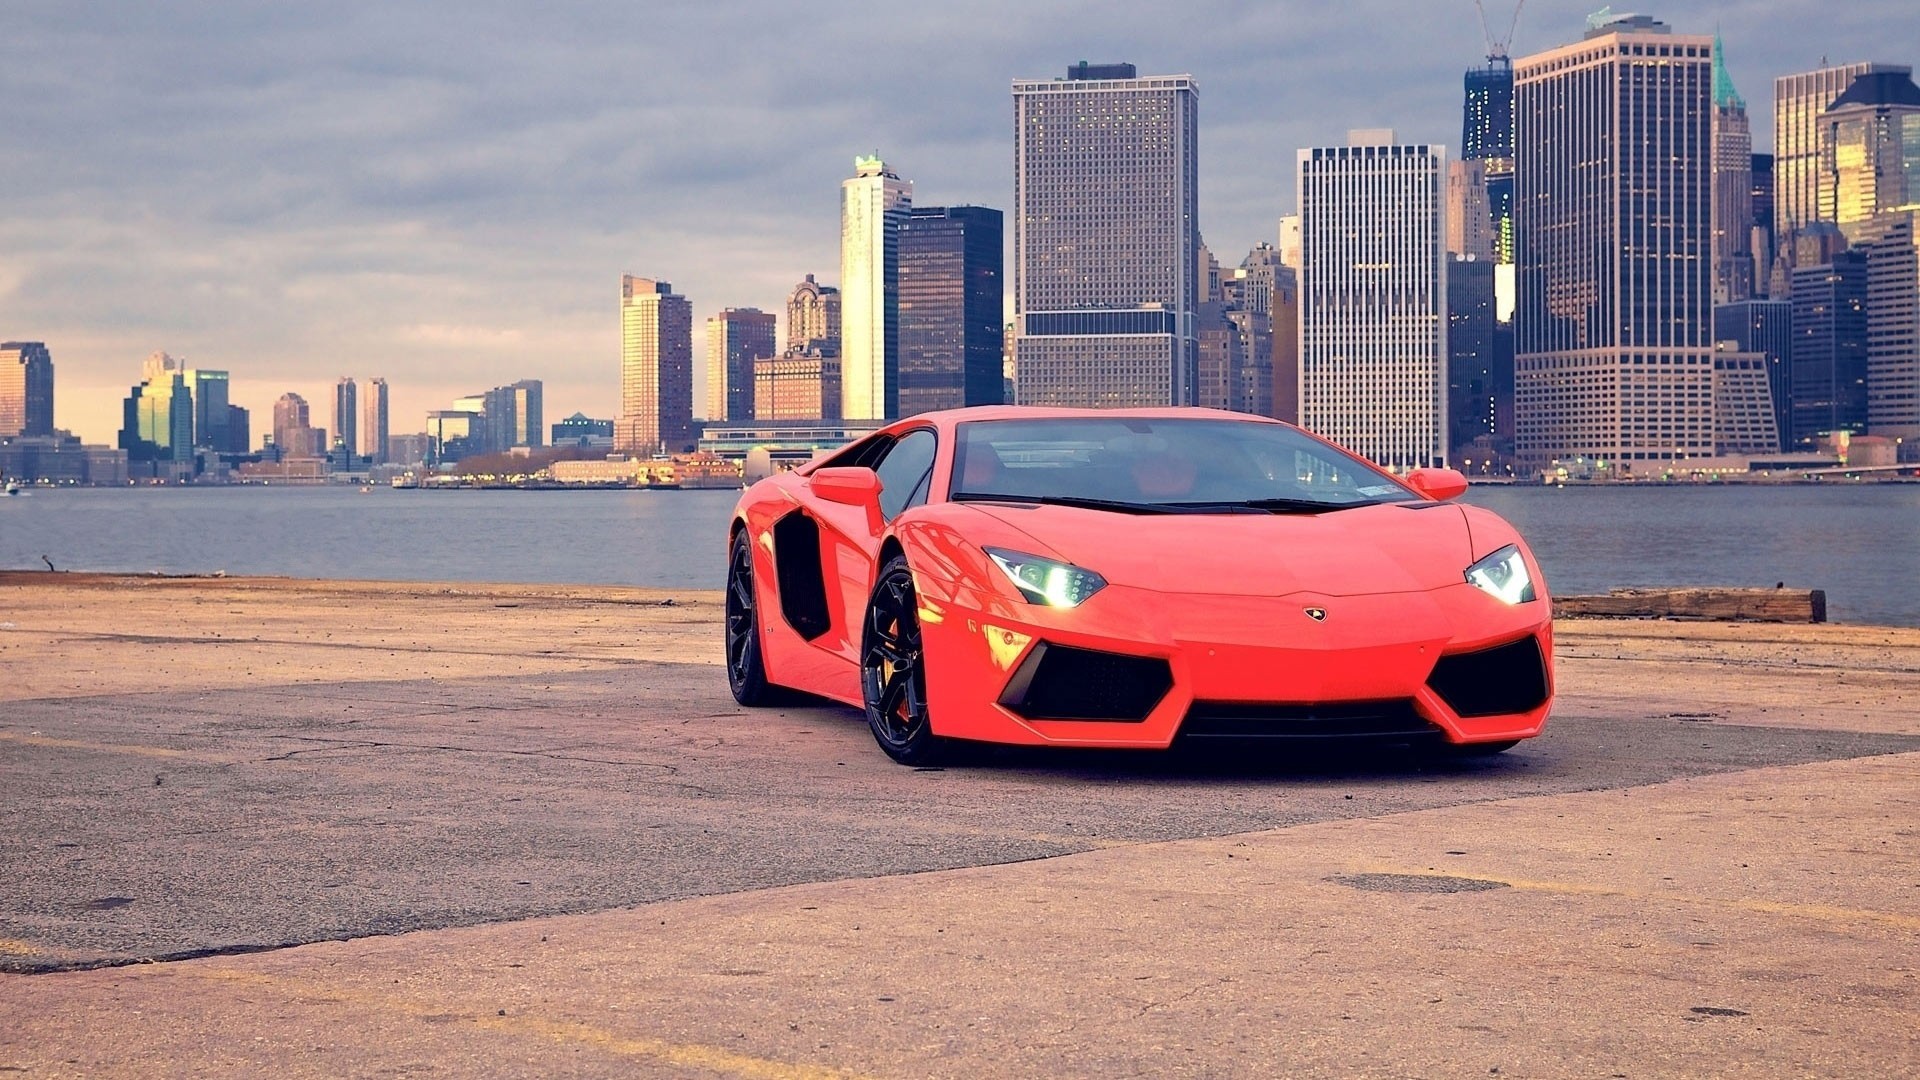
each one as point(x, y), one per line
point(1262, 759)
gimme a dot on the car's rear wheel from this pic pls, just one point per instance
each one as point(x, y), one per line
point(893, 675)
point(746, 671)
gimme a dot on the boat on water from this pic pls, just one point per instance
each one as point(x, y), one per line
point(13, 487)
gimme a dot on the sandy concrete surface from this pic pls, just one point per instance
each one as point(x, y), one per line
point(525, 832)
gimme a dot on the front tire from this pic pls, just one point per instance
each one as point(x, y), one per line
point(893, 673)
point(746, 671)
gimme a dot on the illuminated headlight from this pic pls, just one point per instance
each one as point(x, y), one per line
point(1043, 581)
point(1504, 574)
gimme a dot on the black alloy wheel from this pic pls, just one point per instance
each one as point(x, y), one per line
point(746, 673)
point(893, 675)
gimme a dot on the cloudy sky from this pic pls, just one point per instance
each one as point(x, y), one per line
point(446, 194)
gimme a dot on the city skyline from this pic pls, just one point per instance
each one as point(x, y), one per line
point(436, 243)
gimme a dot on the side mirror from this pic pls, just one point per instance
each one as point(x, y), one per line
point(1438, 484)
point(847, 486)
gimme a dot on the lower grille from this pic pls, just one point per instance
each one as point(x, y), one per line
point(1506, 679)
point(1340, 720)
point(1058, 682)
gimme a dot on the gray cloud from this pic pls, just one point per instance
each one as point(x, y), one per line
point(445, 194)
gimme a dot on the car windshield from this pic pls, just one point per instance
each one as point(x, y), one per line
point(1162, 465)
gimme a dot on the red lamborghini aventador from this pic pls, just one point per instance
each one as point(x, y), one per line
point(1126, 578)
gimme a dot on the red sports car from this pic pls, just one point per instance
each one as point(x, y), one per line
point(1125, 578)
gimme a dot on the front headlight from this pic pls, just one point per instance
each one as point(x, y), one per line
point(1044, 581)
point(1504, 574)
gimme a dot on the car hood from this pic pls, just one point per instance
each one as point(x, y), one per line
point(1390, 548)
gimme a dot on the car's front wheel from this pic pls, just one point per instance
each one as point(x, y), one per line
point(893, 675)
point(746, 671)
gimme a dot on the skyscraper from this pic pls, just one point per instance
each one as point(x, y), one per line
point(26, 389)
point(210, 405)
point(1373, 300)
point(1763, 245)
point(1829, 349)
point(1798, 103)
point(1472, 393)
point(293, 435)
point(873, 210)
point(529, 413)
point(735, 339)
point(1869, 157)
point(1106, 236)
point(346, 416)
point(952, 307)
point(157, 416)
point(813, 318)
point(1487, 137)
point(1614, 359)
point(656, 368)
point(1469, 216)
point(373, 423)
point(1890, 243)
point(1764, 327)
point(1733, 269)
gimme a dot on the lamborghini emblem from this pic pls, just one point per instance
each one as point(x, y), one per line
point(1317, 614)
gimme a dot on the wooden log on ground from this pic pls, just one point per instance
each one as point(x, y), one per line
point(1716, 604)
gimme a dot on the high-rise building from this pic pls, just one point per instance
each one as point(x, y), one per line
point(1106, 237)
point(1764, 327)
point(293, 434)
point(1743, 413)
point(1869, 160)
point(157, 415)
point(1733, 269)
point(874, 204)
point(813, 319)
point(1614, 360)
point(1799, 101)
point(1216, 383)
point(1890, 243)
point(952, 308)
point(210, 404)
point(453, 434)
point(1284, 311)
point(1763, 245)
point(1487, 137)
point(1469, 217)
point(1829, 367)
point(1373, 297)
point(373, 423)
point(1472, 394)
point(239, 430)
point(26, 389)
point(796, 386)
point(346, 416)
point(656, 368)
point(735, 339)
point(1253, 388)
point(529, 413)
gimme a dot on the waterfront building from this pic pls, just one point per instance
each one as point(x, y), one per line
point(796, 386)
point(373, 423)
point(410, 450)
point(453, 434)
point(1891, 248)
point(1472, 394)
point(952, 306)
point(1733, 269)
point(1764, 327)
point(529, 413)
point(210, 404)
point(1106, 238)
point(1614, 358)
point(293, 434)
point(239, 430)
point(60, 458)
point(1870, 151)
point(1799, 103)
point(813, 319)
point(26, 389)
point(346, 418)
point(1373, 320)
point(656, 368)
point(787, 442)
point(579, 430)
point(1743, 412)
point(874, 204)
point(1829, 366)
point(735, 339)
point(157, 421)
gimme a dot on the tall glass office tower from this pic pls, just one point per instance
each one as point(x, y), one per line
point(1798, 103)
point(952, 308)
point(1106, 238)
point(1614, 226)
point(1487, 137)
point(656, 368)
point(873, 210)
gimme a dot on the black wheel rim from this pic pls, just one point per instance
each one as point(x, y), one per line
point(894, 677)
point(740, 612)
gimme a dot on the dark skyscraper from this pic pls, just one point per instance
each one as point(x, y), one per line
point(1764, 327)
point(26, 389)
point(952, 308)
point(1471, 401)
point(1487, 136)
point(1763, 241)
point(1829, 349)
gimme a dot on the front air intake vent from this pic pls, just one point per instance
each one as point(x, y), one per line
point(1506, 679)
point(1340, 720)
point(1058, 682)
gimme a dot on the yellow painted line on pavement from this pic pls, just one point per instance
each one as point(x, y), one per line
point(1823, 912)
point(81, 744)
point(686, 1055)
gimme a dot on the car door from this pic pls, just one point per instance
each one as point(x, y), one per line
point(851, 547)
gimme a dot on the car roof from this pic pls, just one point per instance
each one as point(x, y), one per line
point(947, 418)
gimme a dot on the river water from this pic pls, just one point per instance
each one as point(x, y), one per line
point(1860, 542)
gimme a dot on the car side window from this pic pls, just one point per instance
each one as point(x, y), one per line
point(903, 471)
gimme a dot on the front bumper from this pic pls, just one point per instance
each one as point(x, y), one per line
point(1448, 662)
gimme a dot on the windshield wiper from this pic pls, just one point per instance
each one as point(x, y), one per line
point(1113, 505)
